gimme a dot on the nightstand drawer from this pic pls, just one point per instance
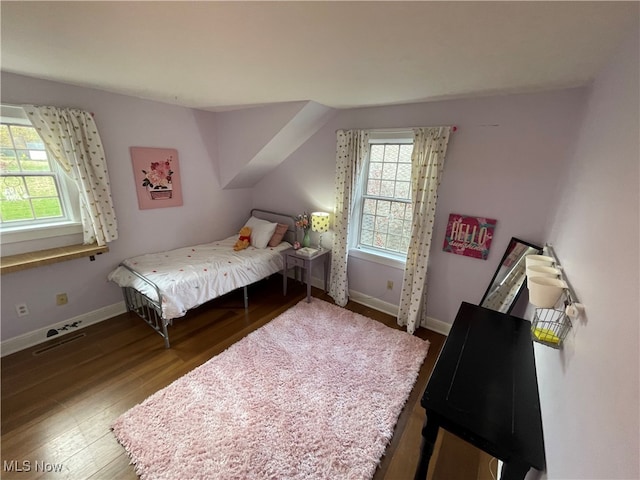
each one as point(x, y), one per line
point(293, 261)
point(304, 265)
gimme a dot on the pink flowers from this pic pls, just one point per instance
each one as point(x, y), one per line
point(159, 175)
point(303, 221)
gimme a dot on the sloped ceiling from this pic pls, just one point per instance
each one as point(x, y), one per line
point(254, 141)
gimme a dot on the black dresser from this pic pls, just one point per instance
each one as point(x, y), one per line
point(484, 389)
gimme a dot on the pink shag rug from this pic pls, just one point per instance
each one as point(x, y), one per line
point(314, 394)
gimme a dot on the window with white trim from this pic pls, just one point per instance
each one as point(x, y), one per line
point(37, 198)
point(383, 206)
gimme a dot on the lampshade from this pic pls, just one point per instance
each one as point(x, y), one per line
point(320, 222)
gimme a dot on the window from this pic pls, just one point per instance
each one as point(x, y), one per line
point(384, 208)
point(36, 197)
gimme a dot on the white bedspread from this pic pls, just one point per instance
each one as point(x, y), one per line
point(190, 276)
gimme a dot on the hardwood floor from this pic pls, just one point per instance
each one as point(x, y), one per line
point(58, 399)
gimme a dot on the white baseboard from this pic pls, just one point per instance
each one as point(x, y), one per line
point(434, 324)
point(438, 326)
point(35, 337)
point(30, 339)
point(375, 303)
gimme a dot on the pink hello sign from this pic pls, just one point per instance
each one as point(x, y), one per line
point(469, 236)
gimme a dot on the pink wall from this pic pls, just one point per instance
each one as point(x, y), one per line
point(208, 212)
point(507, 161)
point(590, 390)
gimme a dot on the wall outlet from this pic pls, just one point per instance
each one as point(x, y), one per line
point(22, 309)
point(389, 284)
point(61, 299)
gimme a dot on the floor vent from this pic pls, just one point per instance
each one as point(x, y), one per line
point(63, 341)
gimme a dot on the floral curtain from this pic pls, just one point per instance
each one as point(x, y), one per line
point(352, 150)
point(72, 138)
point(427, 164)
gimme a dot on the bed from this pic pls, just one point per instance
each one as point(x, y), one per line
point(160, 287)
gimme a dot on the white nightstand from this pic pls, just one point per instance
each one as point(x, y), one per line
point(292, 259)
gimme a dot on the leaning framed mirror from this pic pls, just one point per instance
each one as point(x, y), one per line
point(508, 281)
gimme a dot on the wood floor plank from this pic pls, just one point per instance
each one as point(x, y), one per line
point(120, 468)
point(58, 406)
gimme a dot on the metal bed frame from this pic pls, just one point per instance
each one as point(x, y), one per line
point(150, 310)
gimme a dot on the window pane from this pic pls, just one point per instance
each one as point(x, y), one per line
point(367, 222)
point(26, 138)
point(5, 139)
point(396, 226)
point(46, 207)
point(369, 206)
point(15, 203)
point(394, 242)
point(38, 155)
point(375, 170)
point(373, 187)
point(377, 153)
point(387, 188)
point(381, 225)
point(33, 161)
point(15, 210)
point(366, 237)
point(405, 244)
point(397, 210)
point(383, 208)
point(13, 189)
point(405, 153)
point(389, 171)
point(391, 153)
point(404, 172)
point(379, 240)
point(8, 161)
point(41, 187)
point(406, 228)
point(403, 190)
point(408, 213)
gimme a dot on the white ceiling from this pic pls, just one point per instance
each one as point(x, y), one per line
point(222, 55)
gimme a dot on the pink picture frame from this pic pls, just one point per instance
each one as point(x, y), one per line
point(469, 236)
point(156, 172)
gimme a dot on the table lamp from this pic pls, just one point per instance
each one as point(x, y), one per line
point(320, 223)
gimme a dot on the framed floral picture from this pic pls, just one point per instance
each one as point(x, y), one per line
point(157, 175)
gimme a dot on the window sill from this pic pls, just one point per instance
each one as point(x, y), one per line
point(377, 258)
point(28, 233)
point(23, 261)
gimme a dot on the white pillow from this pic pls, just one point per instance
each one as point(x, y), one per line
point(261, 231)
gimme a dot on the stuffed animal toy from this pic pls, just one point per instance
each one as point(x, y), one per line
point(244, 240)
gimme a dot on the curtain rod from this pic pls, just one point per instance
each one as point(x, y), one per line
point(21, 105)
point(454, 128)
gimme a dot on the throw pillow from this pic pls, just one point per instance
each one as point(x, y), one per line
point(278, 235)
point(261, 231)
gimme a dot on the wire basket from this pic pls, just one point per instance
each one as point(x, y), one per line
point(550, 327)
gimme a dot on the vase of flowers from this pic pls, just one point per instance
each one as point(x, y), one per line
point(158, 180)
point(303, 221)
